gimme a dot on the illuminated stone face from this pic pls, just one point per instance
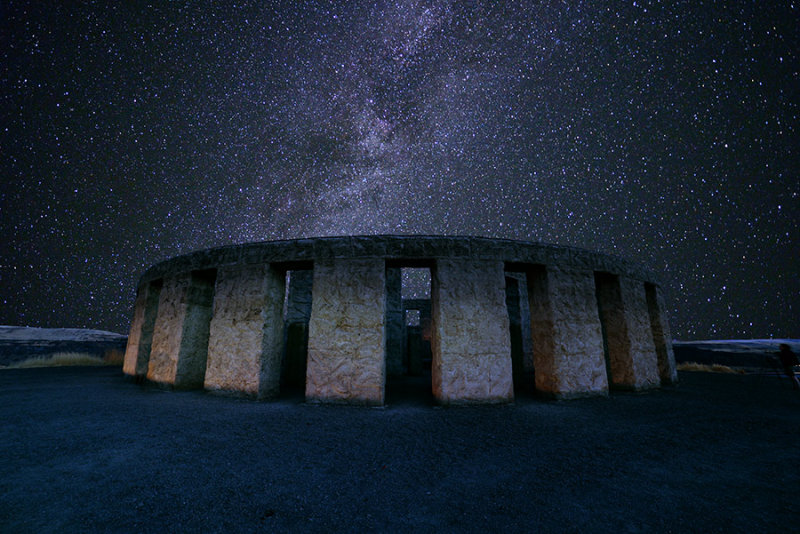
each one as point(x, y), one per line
point(225, 319)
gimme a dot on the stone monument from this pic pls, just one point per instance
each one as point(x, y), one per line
point(226, 320)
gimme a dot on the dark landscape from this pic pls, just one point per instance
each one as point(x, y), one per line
point(19, 343)
point(86, 449)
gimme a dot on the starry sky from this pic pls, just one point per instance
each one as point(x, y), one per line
point(662, 132)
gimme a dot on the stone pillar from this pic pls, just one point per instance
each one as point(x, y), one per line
point(515, 329)
point(180, 335)
point(565, 331)
point(470, 338)
point(629, 339)
point(137, 353)
point(346, 339)
point(246, 331)
point(298, 313)
point(394, 322)
point(662, 339)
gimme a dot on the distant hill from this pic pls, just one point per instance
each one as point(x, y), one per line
point(756, 353)
point(19, 343)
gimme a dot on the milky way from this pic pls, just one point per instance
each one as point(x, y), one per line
point(665, 133)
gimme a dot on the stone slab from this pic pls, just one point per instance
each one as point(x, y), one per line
point(180, 334)
point(140, 340)
point(246, 331)
point(662, 339)
point(346, 340)
point(470, 339)
point(168, 329)
point(566, 333)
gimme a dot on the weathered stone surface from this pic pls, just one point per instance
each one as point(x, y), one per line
point(349, 342)
point(565, 329)
point(168, 329)
point(346, 342)
point(140, 340)
point(615, 331)
point(246, 332)
point(180, 335)
point(471, 343)
point(640, 334)
point(629, 338)
point(406, 247)
point(662, 339)
point(194, 343)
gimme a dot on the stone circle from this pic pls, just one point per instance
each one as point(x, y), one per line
point(502, 315)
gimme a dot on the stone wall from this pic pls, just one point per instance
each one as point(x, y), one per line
point(471, 343)
point(662, 340)
point(168, 329)
point(346, 341)
point(137, 352)
point(350, 313)
point(246, 332)
point(628, 336)
point(180, 335)
point(640, 334)
point(409, 248)
point(566, 332)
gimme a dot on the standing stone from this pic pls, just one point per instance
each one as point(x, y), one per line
point(470, 341)
point(246, 332)
point(140, 340)
point(566, 333)
point(180, 336)
point(346, 340)
point(629, 339)
point(394, 322)
point(662, 340)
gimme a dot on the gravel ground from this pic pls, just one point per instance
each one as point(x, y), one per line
point(85, 449)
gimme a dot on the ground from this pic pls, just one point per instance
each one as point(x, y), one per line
point(86, 449)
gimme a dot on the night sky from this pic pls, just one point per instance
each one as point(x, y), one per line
point(662, 132)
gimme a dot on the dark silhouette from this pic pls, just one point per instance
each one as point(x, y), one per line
point(788, 361)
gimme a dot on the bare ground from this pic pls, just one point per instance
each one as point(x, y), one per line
point(84, 449)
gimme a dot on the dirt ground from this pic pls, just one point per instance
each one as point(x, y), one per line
point(85, 449)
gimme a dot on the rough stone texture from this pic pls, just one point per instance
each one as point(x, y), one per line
point(180, 335)
point(640, 333)
point(168, 329)
point(346, 344)
point(246, 332)
point(662, 339)
point(564, 347)
point(406, 247)
point(194, 344)
point(629, 338)
point(471, 343)
point(565, 328)
point(394, 322)
point(137, 352)
point(619, 362)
